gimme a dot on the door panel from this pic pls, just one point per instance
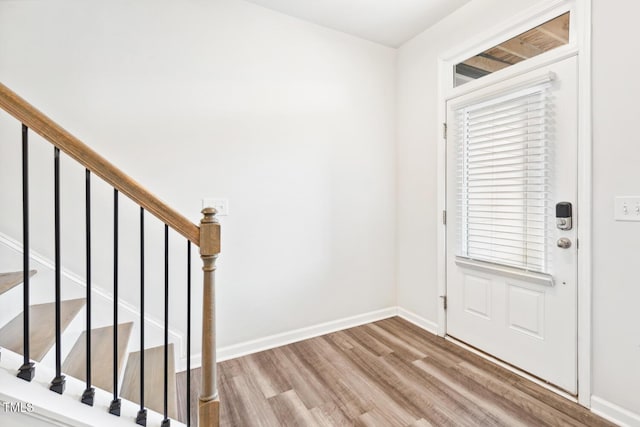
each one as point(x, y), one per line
point(525, 310)
point(526, 319)
point(477, 296)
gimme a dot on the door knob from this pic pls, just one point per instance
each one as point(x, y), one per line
point(564, 243)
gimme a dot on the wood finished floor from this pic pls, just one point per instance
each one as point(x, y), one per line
point(387, 373)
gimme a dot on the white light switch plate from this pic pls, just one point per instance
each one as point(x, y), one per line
point(221, 205)
point(627, 209)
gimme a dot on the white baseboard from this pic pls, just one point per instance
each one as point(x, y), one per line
point(278, 340)
point(419, 321)
point(614, 413)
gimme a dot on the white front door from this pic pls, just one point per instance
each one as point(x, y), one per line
point(511, 280)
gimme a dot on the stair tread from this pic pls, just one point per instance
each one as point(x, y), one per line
point(42, 327)
point(153, 380)
point(101, 355)
point(12, 279)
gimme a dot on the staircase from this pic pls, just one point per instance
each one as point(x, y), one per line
point(99, 357)
point(42, 339)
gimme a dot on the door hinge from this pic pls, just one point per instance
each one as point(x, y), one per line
point(444, 301)
point(444, 217)
point(444, 130)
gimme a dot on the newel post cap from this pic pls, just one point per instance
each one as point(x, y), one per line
point(209, 233)
point(209, 213)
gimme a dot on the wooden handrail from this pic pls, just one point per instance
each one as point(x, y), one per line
point(83, 154)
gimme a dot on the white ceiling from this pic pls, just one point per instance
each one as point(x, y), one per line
point(389, 22)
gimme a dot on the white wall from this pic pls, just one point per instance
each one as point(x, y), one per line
point(616, 343)
point(616, 245)
point(293, 123)
point(417, 131)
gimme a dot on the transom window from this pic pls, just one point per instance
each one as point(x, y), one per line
point(538, 40)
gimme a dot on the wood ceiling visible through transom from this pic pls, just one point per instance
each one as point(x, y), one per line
point(543, 38)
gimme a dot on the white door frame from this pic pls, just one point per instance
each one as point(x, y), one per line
point(580, 45)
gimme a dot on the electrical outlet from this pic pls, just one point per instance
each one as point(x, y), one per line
point(627, 209)
point(221, 205)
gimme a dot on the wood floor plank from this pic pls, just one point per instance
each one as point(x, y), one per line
point(153, 380)
point(307, 383)
point(231, 407)
point(388, 373)
point(331, 413)
point(419, 339)
point(421, 423)
point(557, 402)
point(458, 405)
point(399, 346)
point(365, 340)
point(481, 396)
point(320, 360)
point(10, 280)
point(269, 378)
point(42, 335)
point(373, 418)
point(400, 393)
point(385, 401)
point(256, 410)
point(290, 410)
point(322, 420)
point(548, 415)
point(101, 355)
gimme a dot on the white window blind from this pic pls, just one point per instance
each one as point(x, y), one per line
point(504, 178)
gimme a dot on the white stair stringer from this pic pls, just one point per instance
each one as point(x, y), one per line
point(50, 408)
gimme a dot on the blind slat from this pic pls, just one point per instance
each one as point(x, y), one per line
point(539, 136)
point(520, 128)
point(505, 154)
point(516, 173)
point(526, 141)
point(512, 116)
point(528, 231)
point(480, 110)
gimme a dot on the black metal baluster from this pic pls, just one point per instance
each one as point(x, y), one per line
point(141, 418)
point(114, 408)
point(58, 383)
point(188, 333)
point(89, 393)
point(27, 370)
point(166, 422)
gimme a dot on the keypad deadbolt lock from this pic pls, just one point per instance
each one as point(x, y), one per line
point(563, 216)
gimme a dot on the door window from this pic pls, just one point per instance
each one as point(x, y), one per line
point(504, 178)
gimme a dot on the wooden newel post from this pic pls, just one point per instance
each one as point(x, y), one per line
point(209, 403)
